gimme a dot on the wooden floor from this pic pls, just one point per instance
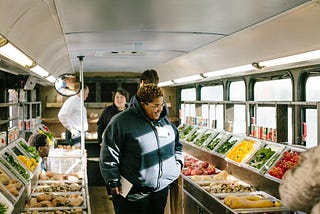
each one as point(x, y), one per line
point(99, 202)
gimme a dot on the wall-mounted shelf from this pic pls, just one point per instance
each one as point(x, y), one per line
point(54, 105)
point(97, 105)
point(251, 107)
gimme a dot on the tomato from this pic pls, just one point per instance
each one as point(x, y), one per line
point(276, 172)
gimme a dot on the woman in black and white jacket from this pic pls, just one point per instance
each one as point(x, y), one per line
point(141, 145)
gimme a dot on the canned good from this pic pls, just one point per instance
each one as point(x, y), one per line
point(269, 135)
point(21, 125)
point(254, 129)
point(260, 132)
point(253, 120)
point(264, 133)
point(274, 135)
point(27, 124)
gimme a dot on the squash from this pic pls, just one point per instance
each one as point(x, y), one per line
point(239, 202)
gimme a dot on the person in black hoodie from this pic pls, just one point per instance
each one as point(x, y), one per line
point(140, 146)
point(119, 98)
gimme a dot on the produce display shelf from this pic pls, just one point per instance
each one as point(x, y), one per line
point(288, 158)
point(206, 135)
point(196, 131)
point(8, 206)
point(30, 151)
point(215, 204)
point(258, 161)
point(17, 149)
point(278, 207)
point(56, 200)
point(58, 186)
point(185, 129)
point(225, 146)
point(240, 149)
point(12, 188)
point(219, 138)
point(15, 166)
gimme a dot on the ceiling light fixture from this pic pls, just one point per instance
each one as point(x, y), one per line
point(165, 83)
point(11, 52)
point(188, 79)
point(40, 71)
point(51, 78)
point(291, 59)
point(228, 71)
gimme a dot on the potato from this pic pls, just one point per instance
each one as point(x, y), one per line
point(58, 177)
point(13, 191)
point(15, 186)
point(4, 179)
point(75, 202)
point(44, 197)
point(50, 174)
point(42, 176)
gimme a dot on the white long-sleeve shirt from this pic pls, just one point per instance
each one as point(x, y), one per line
point(70, 114)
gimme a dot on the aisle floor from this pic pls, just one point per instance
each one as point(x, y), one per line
point(99, 201)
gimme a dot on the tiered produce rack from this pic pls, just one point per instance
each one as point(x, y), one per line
point(256, 164)
point(26, 189)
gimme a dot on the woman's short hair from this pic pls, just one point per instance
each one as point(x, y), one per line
point(37, 140)
point(149, 92)
point(121, 91)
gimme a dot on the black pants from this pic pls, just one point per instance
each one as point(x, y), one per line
point(141, 203)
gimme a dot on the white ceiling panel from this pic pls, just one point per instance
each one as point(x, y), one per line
point(132, 35)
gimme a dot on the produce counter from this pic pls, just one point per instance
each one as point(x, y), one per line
point(62, 189)
point(257, 165)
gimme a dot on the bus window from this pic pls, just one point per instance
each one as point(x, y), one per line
point(238, 93)
point(212, 93)
point(214, 113)
point(188, 110)
point(311, 121)
point(312, 94)
point(273, 90)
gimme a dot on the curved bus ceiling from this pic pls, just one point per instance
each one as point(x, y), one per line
point(177, 38)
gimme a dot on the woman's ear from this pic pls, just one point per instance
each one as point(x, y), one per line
point(141, 83)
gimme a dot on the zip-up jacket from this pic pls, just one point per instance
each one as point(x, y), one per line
point(133, 148)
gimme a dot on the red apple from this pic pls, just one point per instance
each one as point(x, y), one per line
point(204, 165)
point(211, 170)
point(187, 163)
point(196, 172)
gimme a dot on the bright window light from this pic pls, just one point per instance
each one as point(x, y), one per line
point(292, 59)
point(11, 52)
point(40, 71)
point(166, 83)
point(51, 78)
point(227, 71)
point(188, 79)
